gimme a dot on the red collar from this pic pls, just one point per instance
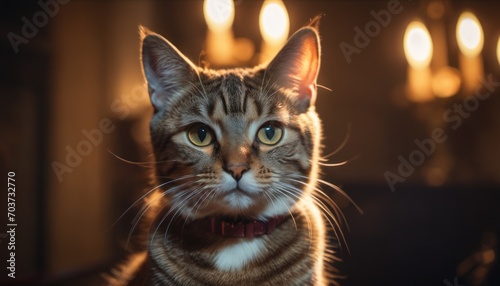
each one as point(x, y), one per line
point(241, 228)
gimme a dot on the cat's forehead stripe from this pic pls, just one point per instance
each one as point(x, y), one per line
point(230, 94)
point(233, 92)
point(224, 103)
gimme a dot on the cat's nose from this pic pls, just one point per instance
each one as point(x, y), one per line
point(236, 170)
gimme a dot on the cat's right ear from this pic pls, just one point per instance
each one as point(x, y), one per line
point(167, 71)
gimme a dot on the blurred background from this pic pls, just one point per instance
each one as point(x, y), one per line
point(411, 101)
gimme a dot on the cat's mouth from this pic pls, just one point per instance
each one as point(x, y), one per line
point(240, 191)
point(237, 199)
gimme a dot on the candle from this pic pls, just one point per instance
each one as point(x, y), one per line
point(274, 26)
point(445, 79)
point(418, 50)
point(470, 42)
point(219, 15)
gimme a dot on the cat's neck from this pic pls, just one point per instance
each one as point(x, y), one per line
point(240, 227)
point(223, 226)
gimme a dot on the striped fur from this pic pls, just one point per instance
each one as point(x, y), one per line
point(237, 174)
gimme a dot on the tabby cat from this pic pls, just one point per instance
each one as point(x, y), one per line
point(237, 160)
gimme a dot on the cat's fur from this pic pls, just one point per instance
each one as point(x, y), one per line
point(236, 175)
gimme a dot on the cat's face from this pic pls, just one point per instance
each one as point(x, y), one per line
point(240, 142)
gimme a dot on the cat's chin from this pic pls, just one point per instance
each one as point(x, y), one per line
point(239, 200)
point(238, 204)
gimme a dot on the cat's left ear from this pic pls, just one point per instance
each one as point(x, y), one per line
point(167, 71)
point(296, 66)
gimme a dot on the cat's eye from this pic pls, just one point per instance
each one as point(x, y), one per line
point(270, 134)
point(200, 135)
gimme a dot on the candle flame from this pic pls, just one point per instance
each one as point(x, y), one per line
point(418, 45)
point(274, 22)
point(219, 14)
point(469, 34)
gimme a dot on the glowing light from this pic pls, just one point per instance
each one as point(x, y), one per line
point(274, 22)
point(498, 50)
point(418, 45)
point(469, 35)
point(219, 14)
point(446, 82)
point(488, 256)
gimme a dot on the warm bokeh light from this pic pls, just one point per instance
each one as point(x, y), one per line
point(498, 50)
point(488, 256)
point(418, 45)
point(446, 82)
point(436, 10)
point(219, 14)
point(244, 49)
point(419, 83)
point(469, 35)
point(274, 22)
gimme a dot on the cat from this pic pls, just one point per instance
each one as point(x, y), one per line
point(237, 167)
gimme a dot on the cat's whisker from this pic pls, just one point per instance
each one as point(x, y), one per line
point(323, 199)
point(268, 197)
point(264, 90)
point(278, 188)
point(324, 87)
point(338, 189)
point(144, 209)
point(334, 164)
point(336, 209)
point(197, 191)
point(211, 195)
point(200, 201)
point(148, 193)
point(342, 145)
point(203, 198)
point(202, 86)
point(142, 164)
point(180, 207)
point(339, 163)
point(274, 92)
point(146, 164)
point(322, 203)
point(203, 93)
point(180, 203)
point(292, 192)
point(326, 213)
point(147, 206)
point(331, 218)
point(262, 82)
point(185, 197)
point(342, 192)
point(163, 194)
point(188, 196)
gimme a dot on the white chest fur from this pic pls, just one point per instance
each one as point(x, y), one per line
point(236, 256)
